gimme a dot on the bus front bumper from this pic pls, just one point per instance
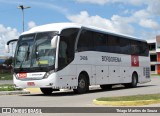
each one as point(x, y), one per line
point(30, 83)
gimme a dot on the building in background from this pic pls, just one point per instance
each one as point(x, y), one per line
point(154, 48)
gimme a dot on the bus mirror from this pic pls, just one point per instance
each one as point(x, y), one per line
point(7, 48)
point(54, 42)
point(7, 44)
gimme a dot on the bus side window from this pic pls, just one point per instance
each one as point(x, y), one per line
point(144, 49)
point(62, 53)
point(85, 42)
point(135, 47)
point(113, 44)
point(125, 45)
point(62, 49)
point(67, 47)
point(100, 42)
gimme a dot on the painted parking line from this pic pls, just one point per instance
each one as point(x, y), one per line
point(126, 103)
point(34, 90)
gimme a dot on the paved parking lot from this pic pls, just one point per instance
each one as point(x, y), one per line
point(70, 99)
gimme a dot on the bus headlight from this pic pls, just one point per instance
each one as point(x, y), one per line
point(48, 73)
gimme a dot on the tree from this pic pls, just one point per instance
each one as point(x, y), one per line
point(8, 61)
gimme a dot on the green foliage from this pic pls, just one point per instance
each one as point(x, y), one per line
point(155, 74)
point(8, 87)
point(6, 76)
point(131, 98)
point(8, 61)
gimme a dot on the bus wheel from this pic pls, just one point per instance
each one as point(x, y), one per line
point(83, 85)
point(46, 91)
point(106, 87)
point(134, 82)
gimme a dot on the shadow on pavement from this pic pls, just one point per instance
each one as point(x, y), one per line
point(92, 90)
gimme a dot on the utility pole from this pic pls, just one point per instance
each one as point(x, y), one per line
point(22, 8)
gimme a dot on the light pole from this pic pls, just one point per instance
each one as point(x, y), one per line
point(22, 8)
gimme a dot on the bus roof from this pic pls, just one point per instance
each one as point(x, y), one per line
point(52, 27)
point(61, 26)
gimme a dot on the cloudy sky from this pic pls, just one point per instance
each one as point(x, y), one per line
point(139, 18)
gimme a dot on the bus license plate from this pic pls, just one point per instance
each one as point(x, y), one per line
point(30, 83)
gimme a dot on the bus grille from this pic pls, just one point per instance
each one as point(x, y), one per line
point(146, 72)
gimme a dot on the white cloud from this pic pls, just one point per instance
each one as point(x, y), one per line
point(136, 2)
point(149, 34)
point(51, 6)
point(31, 24)
point(148, 17)
point(102, 2)
point(6, 33)
point(141, 14)
point(149, 23)
point(115, 24)
point(153, 7)
point(120, 24)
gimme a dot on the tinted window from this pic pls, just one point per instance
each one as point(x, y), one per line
point(96, 41)
point(135, 50)
point(113, 44)
point(66, 47)
point(125, 45)
point(139, 48)
point(85, 42)
point(100, 42)
point(144, 48)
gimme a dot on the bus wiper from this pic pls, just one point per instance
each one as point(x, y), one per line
point(25, 56)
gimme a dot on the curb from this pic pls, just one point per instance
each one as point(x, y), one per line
point(14, 92)
point(126, 103)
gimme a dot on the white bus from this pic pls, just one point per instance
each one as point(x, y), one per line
point(71, 56)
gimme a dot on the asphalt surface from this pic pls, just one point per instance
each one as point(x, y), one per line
point(6, 82)
point(70, 99)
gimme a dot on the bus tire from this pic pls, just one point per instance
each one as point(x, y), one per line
point(83, 85)
point(106, 87)
point(46, 91)
point(134, 82)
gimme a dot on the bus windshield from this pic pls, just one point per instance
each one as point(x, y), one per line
point(34, 50)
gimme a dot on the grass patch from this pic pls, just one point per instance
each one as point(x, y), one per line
point(8, 87)
point(131, 98)
point(155, 74)
point(6, 76)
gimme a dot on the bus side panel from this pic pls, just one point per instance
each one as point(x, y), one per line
point(125, 74)
point(67, 77)
point(102, 75)
point(142, 69)
point(114, 74)
point(125, 67)
point(84, 62)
